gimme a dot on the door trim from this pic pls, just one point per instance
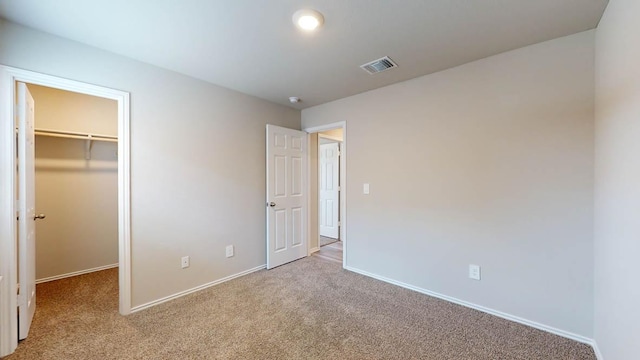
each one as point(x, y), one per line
point(343, 183)
point(8, 229)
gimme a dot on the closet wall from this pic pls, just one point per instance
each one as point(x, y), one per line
point(78, 196)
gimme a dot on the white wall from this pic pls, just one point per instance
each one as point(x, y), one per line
point(79, 196)
point(488, 163)
point(617, 195)
point(197, 161)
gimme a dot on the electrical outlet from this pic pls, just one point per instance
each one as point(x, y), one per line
point(185, 262)
point(474, 272)
point(229, 251)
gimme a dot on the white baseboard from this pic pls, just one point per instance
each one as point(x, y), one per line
point(315, 249)
point(497, 313)
point(195, 289)
point(76, 273)
point(599, 356)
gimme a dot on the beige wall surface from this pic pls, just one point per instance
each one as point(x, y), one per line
point(80, 200)
point(66, 110)
point(617, 190)
point(489, 163)
point(197, 161)
point(335, 134)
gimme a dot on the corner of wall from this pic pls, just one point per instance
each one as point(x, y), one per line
point(596, 350)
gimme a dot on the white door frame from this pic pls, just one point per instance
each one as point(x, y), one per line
point(8, 229)
point(343, 183)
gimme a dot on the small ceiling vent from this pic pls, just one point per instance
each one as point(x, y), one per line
point(379, 65)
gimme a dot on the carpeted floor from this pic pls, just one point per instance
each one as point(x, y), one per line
point(308, 309)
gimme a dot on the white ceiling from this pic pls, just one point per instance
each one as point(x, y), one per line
point(252, 45)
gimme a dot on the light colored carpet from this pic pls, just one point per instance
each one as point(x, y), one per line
point(308, 309)
point(327, 240)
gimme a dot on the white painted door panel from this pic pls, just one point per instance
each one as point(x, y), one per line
point(286, 195)
point(329, 193)
point(26, 201)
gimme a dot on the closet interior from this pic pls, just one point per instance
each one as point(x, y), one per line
point(76, 173)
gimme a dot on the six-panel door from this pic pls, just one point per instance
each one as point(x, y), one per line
point(286, 195)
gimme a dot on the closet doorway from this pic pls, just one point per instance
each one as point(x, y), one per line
point(76, 183)
point(64, 153)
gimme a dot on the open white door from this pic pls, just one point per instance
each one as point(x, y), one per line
point(286, 195)
point(329, 193)
point(27, 213)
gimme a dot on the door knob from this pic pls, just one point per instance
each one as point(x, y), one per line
point(272, 204)
point(41, 216)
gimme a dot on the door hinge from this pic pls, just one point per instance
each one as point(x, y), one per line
point(21, 300)
point(339, 223)
point(339, 188)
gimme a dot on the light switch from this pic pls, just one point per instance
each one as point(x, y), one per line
point(365, 189)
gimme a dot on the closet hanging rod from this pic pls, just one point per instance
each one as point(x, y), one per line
point(76, 135)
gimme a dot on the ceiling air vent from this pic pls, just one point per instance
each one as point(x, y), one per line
point(379, 65)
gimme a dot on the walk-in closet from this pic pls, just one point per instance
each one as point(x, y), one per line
point(76, 181)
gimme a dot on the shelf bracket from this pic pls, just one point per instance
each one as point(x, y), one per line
point(87, 148)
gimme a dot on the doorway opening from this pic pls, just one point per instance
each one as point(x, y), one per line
point(76, 183)
point(327, 174)
point(76, 188)
point(105, 152)
point(329, 242)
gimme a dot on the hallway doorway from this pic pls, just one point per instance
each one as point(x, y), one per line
point(327, 174)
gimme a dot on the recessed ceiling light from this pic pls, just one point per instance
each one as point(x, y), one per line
point(307, 19)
